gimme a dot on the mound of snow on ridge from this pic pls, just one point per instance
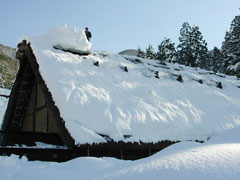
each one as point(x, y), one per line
point(66, 37)
point(146, 103)
point(217, 159)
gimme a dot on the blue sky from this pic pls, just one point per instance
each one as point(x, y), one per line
point(117, 25)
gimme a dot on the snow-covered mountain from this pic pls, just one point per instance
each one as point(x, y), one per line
point(10, 52)
point(8, 70)
point(124, 96)
point(8, 66)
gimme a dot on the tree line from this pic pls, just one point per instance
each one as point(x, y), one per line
point(192, 50)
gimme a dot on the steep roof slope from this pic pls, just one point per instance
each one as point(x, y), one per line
point(132, 99)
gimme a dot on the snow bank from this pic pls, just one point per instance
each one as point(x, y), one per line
point(110, 101)
point(217, 159)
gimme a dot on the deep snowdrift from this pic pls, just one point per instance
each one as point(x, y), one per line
point(111, 101)
point(217, 159)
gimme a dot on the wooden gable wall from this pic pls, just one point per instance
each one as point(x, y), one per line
point(38, 117)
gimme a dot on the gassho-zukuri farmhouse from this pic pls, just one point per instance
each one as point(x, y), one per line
point(95, 103)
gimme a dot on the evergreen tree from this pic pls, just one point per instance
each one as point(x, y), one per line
point(231, 48)
point(215, 60)
point(192, 50)
point(199, 48)
point(150, 54)
point(140, 53)
point(166, 51)
point(184, 48)
point(225, 51)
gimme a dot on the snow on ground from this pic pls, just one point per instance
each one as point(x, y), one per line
point(110, 101)
point(3, 103)
point(219, 158)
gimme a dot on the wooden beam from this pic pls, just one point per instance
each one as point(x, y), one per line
point(6, 96)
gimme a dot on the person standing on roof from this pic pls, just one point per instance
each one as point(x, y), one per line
point(88, 34)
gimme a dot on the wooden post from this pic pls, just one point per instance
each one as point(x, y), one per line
point(88, 151)
point(121, 153)
point(149, 152)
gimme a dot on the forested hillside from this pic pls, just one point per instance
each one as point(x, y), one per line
point(8, 66)
point(192, 50)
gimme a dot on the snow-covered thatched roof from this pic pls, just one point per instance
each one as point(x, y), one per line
point(129, 98)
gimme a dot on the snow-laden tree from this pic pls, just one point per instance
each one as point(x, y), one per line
point(150, 54)
point(199, 48)
point(184, 47)
point(215, 60)
point(192, 49)
point(166, 51)
point(231, 48)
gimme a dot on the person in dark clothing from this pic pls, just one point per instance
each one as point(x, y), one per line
point(88, 34)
